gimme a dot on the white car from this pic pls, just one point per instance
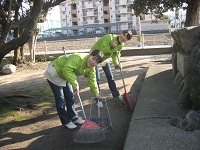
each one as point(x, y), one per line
point(99, 32)
point(41, 36)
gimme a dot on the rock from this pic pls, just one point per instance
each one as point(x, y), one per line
point(8, 69)
point(187, 47)
point(4, 62)
point(186, 38)
point(51, 58)
point(191, 121)
point(193, 76)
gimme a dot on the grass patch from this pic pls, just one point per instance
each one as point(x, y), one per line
point(10, 115)
point(18, 108)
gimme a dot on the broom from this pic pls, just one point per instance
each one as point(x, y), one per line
point(126, 97)
point(89, 132)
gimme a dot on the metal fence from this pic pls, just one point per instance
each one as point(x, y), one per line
point(138, 41)
point(163, 39)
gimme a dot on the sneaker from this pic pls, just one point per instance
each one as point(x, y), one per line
point(100, 104)
point(121, 98)
point(71, 125)
point(79, 121)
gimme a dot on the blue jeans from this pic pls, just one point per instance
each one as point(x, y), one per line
point(110, 79)
point(64, 96)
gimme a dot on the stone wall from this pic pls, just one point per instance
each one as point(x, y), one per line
point(186, 66)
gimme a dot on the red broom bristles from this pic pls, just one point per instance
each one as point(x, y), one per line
point(89, 132)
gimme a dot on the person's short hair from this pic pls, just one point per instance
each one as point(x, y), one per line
point(128, 34)
point(98, 55)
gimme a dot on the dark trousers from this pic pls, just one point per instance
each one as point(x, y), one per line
point(110, 79)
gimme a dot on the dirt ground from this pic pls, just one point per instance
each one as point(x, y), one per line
point(34, 126)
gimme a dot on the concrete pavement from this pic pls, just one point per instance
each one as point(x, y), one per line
point(149, 127)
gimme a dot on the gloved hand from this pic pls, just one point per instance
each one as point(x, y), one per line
point(114, 44)
point(99, 102)
point(119, 66)
point(98, 99)
point(76, 90)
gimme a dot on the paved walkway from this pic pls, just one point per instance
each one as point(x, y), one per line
point(149, 127)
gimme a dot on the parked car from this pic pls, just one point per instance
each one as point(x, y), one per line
point(42, 36)
point(99, 32)
point(10, 37)
point(51, 35)
point(81, 33)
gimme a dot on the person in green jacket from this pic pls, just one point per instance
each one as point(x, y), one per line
point(62, 74)
point(111, 45)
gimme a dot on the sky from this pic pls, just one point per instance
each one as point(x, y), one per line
point(53, 20)
point(54, 14)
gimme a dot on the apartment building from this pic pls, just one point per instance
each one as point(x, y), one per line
point(96, 16)
point(105, 16)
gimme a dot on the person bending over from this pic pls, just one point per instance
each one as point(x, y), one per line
point(61, 76)
point(111, 46)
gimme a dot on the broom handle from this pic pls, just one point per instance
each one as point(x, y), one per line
point(121, 72)
point(77, 94)
point(120, 67)
point(79, 98)
point(65, 53)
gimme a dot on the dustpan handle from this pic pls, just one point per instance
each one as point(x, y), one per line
point(98, 110)
point(79, 98)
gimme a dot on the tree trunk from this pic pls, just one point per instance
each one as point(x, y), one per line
point(16, 56)
point(27, 33)
point(22, 53)
point(192, 13)
point(32, 45)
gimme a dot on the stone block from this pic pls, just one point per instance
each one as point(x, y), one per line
point(182, 61)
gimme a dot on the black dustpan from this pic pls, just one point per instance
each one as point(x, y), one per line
point(104, 122)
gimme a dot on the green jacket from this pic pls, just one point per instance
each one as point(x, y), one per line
point(104, 44)
point(76, 64)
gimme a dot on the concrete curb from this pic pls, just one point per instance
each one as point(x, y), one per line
point(149, 127)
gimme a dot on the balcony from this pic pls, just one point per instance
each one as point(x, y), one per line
point(117, 11)
point(74, 19)
point(118, 19)
point(74, 11)
point(105, 8)
point(129, 1)
point(85, 22)
point(117, 2)
point(106, 16)
point(129, 18)
point(94, 6)
point(90, 14)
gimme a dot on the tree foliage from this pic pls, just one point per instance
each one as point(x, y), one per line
point(20, 17)
point(160, 6)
